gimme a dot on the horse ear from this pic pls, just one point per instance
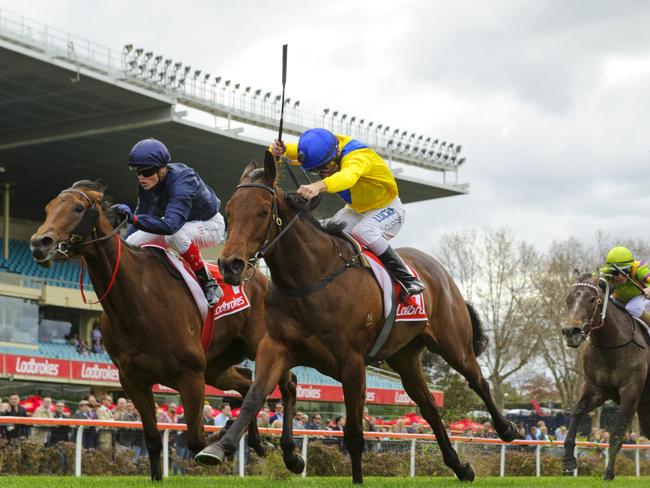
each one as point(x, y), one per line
point(247, 170)
point(576, 272)
point(270, 169)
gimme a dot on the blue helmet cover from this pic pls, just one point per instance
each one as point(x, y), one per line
point(149, 152)
point(316, 148)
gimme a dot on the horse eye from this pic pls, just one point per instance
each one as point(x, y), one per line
point(79, 208)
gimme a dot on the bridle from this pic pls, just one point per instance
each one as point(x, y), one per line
point(77, 236)
point(588, 327)
point(86, 225)
point(268, 243)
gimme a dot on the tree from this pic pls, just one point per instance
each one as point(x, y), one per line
point(496, 273)
point(459, 399)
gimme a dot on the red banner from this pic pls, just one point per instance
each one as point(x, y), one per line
point(107, 373)
point(37, 367)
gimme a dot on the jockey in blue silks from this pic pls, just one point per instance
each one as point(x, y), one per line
point(175, 209)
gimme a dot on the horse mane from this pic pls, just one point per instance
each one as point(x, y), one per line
point(106, 201)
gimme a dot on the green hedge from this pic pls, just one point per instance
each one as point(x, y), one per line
point(26, 458)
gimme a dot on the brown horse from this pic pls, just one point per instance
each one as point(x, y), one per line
point(615, 363)
point(151, 325)
point(325, 312)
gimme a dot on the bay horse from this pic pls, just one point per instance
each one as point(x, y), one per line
point(325, 312)
point(150, 324)
point(615, 362)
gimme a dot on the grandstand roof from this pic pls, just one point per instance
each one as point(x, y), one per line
point(67, 116)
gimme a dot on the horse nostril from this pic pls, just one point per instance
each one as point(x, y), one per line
point(43, 241)
point(237, 266)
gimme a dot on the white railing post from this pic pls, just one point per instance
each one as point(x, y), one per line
point(502, 464)
point(165, 453)
point(637, 462)
point(538, 460)
point(606, 458)
point(305, 441)
point(575, 455)
point(242, 455)
point(78, 448)
point(412, 460)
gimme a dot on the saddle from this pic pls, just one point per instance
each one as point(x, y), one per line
point(644, 327)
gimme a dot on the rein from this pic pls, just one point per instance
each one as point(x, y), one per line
point(110, 283)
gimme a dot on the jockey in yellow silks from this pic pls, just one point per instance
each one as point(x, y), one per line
point(374, 213)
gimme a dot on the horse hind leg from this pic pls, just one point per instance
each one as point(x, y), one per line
point(354, 393)
point(407, 364)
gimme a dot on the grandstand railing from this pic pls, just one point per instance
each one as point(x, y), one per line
point(306, 435)
point(225, 99)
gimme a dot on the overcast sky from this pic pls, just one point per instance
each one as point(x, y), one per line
point(550, 99)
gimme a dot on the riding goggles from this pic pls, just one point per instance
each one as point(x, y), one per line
point(147, 171)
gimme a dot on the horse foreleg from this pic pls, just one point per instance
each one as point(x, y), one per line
point(630, 395)
point(354, 392)
point(271, 362)
point(292, 460)
point(142, 398)
point(590, 398)
point(191, 387)
point(407, 364)
point(240, 379)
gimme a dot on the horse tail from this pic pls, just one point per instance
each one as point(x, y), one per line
point(480, 340)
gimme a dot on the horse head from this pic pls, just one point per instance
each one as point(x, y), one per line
point(584, 308)
point(252, 219)
point(70, 218)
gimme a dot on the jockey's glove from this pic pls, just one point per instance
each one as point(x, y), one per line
point(124, 210)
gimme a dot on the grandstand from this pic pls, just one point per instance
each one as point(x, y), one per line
point(72, 109)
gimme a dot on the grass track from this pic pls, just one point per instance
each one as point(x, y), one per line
point(255, 482)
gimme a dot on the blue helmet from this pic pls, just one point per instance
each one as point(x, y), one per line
point(149, 152)
point(316, 148)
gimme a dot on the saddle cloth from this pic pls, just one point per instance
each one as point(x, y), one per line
point(410, 310)
point(234, 298)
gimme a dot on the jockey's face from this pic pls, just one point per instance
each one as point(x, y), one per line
point(619, 278)
point(329, 169)
point(148, 182)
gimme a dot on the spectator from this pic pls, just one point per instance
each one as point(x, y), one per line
point(182, 451)
point(4, 408)
point(278, 413)
point(298, 421)
point(103, 412)
point(224, 416)
point(532, 435)
point(96, 337)
point(315, 423)
point(171, 412)
point(82, 348)
point(73, 339)
point(522, 433)
point(84, 413)
point(60, 433)
point(399, 427)
point(128, 439)
point(263, 419)
point(120, 408)
point(208, 419)
point(560, 433)
point(40, 434)
point(542, 434)
point(368, 424)
point(15, 431)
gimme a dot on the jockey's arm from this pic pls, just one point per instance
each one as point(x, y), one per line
point(352, 168)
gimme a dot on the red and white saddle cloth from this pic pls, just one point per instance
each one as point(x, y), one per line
point(234, 298)
point(412, 309)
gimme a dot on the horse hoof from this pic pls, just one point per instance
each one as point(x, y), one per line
point(211, 455)
point(295, 463)
point(569, 467)
point(609, 476)
point(466, 474)
point(510, 433)
point(263, 448)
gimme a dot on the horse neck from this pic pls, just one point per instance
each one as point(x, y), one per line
point(617, 328)
point(303, 255)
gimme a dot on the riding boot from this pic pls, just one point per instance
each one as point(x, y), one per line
point(645, 316)
point(211, 288)
point(400, 273)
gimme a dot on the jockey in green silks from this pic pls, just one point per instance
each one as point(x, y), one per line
point(629, 276)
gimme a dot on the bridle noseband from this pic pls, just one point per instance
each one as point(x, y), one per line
point(588, 327)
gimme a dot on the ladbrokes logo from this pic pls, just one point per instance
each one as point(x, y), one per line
point(408, 310)
point(308, 393)
point(230, 305)
point(402, 397)
point(97, 372)
point(32, 366)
